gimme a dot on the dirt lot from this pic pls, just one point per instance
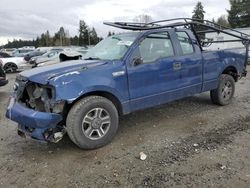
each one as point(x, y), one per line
point(188, 143)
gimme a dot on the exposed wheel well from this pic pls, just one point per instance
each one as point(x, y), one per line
point(105, 94)
point(231, 71)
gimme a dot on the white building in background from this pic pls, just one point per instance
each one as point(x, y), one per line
point(222, 36)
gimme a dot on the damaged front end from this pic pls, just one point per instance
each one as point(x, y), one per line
point(34, 108)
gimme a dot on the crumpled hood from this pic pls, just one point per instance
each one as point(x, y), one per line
point(43, 74)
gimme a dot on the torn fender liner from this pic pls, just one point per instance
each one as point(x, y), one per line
point(35, 133)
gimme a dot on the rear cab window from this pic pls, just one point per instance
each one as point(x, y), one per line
point(185, 43)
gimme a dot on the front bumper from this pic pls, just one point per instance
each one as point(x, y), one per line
point(24, 66)
point(33, 123)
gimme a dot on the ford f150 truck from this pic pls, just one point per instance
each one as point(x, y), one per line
point(155, 64)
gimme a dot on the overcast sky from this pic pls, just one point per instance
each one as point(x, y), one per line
point(27, 19)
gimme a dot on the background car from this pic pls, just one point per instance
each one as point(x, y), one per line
point(63, 56)
point(12, 64)
point(34, 53)
point(8, 50)
point(51, 56)
point(4, 55)
point(3, 79)
point(21, 52)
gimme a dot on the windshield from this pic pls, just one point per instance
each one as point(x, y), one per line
point(111, 48)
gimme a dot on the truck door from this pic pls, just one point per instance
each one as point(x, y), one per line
point(190, 63)
point(152, 71)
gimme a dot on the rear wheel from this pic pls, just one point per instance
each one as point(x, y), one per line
point(10, 67)
point(224, 93)
point(92, 122)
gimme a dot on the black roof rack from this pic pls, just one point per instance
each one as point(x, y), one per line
point(207, 27)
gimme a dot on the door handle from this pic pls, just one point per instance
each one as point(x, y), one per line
point(177, 65)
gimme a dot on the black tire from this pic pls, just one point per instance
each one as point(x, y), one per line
point(220, 96)
point(80, 111)
point(10, 67)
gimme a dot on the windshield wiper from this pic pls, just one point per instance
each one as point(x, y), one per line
point(92, 58)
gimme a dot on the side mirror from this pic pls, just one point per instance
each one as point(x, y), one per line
point(138, 61)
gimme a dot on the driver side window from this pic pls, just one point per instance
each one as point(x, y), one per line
point(156, 46)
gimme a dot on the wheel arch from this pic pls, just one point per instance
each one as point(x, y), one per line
point(7, 63)
point(231, 70)
point(114, 99)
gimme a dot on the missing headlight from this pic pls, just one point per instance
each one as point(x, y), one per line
point(38, 97)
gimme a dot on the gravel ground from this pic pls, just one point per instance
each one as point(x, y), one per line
point(188, 143)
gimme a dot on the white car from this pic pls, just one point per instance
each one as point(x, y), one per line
point(12, 64)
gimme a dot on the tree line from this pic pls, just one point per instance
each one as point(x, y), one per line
point(87, 36)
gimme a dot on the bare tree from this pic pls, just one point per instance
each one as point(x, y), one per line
point(143, 18)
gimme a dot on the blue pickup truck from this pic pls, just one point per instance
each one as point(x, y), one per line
point(152, 65)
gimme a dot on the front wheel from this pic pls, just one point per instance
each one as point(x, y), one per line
point(92, 122)
point(10, 67)
point(224, 93)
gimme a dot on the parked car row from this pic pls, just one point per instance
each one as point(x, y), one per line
point(43, 56)
point(54, 56)
point(18, 52)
